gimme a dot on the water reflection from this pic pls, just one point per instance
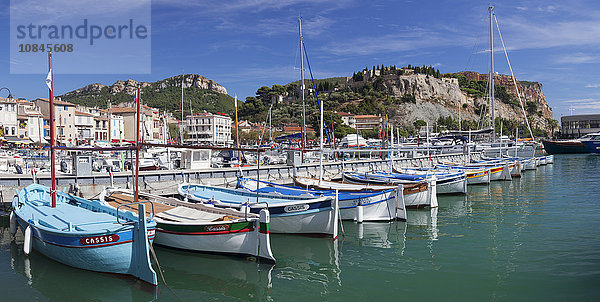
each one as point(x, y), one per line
point(193, 275)
point(306, 262)
point(56, 281)
point(374, 234)
point(425, 219)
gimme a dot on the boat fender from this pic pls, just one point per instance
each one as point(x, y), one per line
point(27, 242)
point(360, 213)
point(13, 223)
point(433, 202)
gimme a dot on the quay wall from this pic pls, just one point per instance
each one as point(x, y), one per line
point(166, 181)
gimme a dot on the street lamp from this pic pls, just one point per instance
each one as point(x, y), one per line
point(9, 94)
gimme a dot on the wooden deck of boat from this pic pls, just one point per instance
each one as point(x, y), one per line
point(117, 199)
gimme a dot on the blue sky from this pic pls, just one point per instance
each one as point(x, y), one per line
point(245, 44)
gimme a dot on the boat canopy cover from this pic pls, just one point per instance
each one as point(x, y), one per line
point(289, 137)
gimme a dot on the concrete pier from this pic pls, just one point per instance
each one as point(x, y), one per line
point(166, 181)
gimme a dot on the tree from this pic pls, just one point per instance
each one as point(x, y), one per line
point(553, 125)
point(419, 123)
point(264, 93)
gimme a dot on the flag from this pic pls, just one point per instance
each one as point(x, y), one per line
point(235, 100)
point(49, 79)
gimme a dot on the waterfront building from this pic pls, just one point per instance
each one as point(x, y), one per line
point(101, 128)
point(348, 118)
point(579, 125)
point(66, 133)
point(208, 129)
point(128, 115)
point(8, 117)
point(84, 123)
point(367, 122)
point(30, 120)
point(115, 128)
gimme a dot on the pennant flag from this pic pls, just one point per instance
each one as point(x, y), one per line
point(235, 100)
point(49, 79)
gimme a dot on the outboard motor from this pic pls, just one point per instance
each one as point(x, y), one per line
point(18, 169)
point(63, 166)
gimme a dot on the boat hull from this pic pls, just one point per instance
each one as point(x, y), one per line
point(564, 147)
point(379, 207)
point(479, 177)
point(112, 257)
point(592, 146)
point(237, 238)
point(417, 198)
point(456, 185)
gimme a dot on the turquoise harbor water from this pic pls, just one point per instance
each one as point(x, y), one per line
point(531, 239)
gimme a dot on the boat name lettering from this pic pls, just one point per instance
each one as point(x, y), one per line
point(99, 239)
point(216, 228)
point(296, 208)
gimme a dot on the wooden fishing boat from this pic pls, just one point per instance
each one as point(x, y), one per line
point(448, 181)
point(416, 195)
point(79, 232)
point(475, 175)
point(289, 214)
point(85, 233)
point(354, 205)
point(201, 228)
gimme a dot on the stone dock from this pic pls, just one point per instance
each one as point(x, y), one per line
point(165, 182)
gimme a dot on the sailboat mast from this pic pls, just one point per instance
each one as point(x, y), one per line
point(137, 147)
point(237, 132)
point(51, 104)
point(302, 86)
point(270, 128)
point(320, 140)
point(492, 113)
point(181, 124)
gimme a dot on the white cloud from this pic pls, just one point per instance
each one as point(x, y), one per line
point(269, 27)
point(406, 40)
point(581, 101)
point(577, 58)
point(592, 85)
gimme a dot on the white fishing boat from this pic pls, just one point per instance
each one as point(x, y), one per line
point(416, 195)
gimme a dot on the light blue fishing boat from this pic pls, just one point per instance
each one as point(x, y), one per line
point(84, 233)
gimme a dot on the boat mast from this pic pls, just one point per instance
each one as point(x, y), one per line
point(237, 133)
point(492, 113)
point(320, 139)
point(50, 83)
point(302, 86)
point(137, 147)
point(270, 128)
point(181, 123)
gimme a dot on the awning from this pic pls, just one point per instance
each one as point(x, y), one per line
point(16, 140)
point(289, 137)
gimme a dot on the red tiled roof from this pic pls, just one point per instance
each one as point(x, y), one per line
point(83, 113)
point(58, 102)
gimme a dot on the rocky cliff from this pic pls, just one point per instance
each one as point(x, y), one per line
point(441, 97)
point(203, 93)
point(129, 86)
